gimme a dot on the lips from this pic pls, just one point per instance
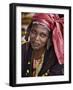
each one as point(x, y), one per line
point(36, 44)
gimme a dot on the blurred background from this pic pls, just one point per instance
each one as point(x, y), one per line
point(25, 21)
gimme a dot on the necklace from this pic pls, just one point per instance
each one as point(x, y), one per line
point(37, 65)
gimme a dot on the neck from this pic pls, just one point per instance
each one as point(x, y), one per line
point(37, 53)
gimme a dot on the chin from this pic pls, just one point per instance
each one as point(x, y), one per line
point(35, 48)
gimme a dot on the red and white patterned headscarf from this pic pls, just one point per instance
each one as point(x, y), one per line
point(56, 24)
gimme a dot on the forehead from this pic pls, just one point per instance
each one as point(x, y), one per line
point(40, 28)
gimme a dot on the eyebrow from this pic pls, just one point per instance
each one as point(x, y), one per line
point(41, 32)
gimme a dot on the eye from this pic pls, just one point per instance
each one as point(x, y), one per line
point(33, 31)
point(43, 35)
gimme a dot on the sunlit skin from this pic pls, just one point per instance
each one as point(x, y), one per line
point(38, 38)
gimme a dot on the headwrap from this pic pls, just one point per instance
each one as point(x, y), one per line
point(55, 23)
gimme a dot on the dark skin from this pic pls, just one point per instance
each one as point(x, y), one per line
point(38, 38)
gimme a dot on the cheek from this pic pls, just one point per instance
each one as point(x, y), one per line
point(44, 41)
point(32, 37)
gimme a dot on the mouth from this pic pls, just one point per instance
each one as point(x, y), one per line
point(35, 44)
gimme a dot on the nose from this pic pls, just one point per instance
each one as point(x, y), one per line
point(37, 37)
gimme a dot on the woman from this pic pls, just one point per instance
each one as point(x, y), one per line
point(43, 55)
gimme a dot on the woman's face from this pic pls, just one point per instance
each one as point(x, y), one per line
point(38, 36)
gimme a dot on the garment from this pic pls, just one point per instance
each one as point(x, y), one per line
point(54, 23)
point(50, 65)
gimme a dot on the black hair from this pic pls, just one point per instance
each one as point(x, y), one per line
point(28, 31)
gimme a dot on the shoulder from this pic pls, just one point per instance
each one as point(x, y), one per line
point(23, 50)
point(25, 46)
